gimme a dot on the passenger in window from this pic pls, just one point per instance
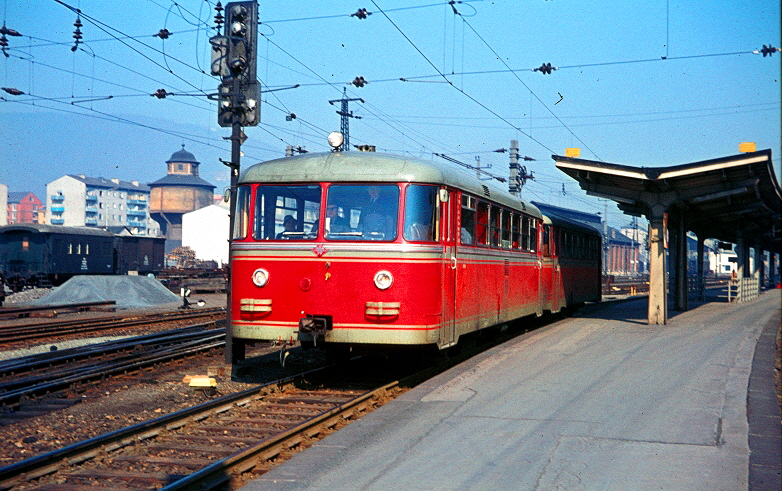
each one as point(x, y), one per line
point(335, 224)
point(374, 223)
point(468, 225)
point(289, 225)
point(373, 205)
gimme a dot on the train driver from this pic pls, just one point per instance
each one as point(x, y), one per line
point(289, 225)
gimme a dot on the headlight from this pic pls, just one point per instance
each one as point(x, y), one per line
point(383, 279)
point(260, 277)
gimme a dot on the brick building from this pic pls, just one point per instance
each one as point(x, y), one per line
point(24, 207)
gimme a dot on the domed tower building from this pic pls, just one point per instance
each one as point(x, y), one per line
point(179, 192)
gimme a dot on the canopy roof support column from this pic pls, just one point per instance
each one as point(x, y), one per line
point(742, 265)
point(701, 288)
point(759, 270)
point(680, 286)
point(658, 294)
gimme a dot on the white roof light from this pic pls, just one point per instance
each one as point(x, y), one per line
point(335, 139)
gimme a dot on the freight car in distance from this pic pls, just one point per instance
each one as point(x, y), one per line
point(39, 255)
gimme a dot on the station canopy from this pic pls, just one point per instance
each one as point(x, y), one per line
point(723, 198)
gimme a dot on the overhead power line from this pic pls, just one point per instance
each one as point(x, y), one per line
point(457, 88)
point(527, 87)
point(106, 28)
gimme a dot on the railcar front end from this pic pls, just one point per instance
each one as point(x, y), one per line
point(336, 263)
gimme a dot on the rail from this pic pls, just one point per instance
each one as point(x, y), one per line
point(289, 416)
point(47, 330)
point(613, 285)
point(55, 309)
point(169, 347)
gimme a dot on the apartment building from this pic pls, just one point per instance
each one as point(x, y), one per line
point(78, 200)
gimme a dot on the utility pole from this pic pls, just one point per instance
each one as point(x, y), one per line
point(478, 167)
point(518, 173)
point(345, 120)
point(514, 184)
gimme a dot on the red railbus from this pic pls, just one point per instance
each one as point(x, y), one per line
point(367, 249)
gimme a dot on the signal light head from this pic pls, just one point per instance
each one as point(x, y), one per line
point(238, 29)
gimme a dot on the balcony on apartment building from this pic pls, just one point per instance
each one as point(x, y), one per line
point(137, 223)
point(58, 198)
point(57, 209)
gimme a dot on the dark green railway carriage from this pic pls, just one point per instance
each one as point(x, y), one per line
point(34, 251)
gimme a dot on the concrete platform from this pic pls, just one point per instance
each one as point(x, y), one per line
point(601, 401)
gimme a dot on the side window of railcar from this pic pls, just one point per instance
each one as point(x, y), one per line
point(421, 213)
point(361, 212)
point(468, 219)
point(482, 224)
point(496, 229)
point(286, 212)
point(546, 248)
point(242, 212)
point(525, 238)
point(516, 231)
point(506, 243)
point(533, 234)
point(567, 244)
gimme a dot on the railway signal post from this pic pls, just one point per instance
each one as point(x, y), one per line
point(234, 57)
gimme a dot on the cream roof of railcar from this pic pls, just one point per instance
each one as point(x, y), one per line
point(360, 167)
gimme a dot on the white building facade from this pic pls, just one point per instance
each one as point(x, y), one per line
point(3, 204)
point(205, 231)
point(81, 201)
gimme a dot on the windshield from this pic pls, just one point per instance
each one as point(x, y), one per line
point(286, 212)
point(421, 217)
point(360, 212)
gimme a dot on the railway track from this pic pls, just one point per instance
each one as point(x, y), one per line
point(223, 443)
point(38, 330)
point(23, 380)
point(635, 286)
point(53, 310)
point(205, 447)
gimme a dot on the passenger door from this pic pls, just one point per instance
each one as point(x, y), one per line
point(551, 268)
point(450, 238)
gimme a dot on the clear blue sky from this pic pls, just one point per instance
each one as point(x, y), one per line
point(614, 96)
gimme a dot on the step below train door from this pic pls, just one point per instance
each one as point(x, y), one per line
point(449, 237)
